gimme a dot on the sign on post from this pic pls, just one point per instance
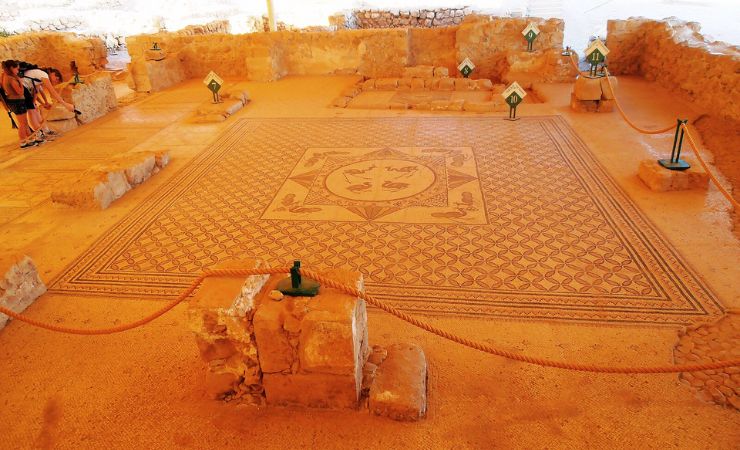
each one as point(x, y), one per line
point(214, 83)
point(530, 34)
point(596, 54)
point(466, 67)
point(513, 95)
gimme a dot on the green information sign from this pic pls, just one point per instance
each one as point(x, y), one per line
point(214, 86)
point(513, 100)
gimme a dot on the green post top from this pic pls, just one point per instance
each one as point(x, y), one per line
point(297, 285)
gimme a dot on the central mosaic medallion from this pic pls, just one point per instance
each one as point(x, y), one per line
point(387, 184)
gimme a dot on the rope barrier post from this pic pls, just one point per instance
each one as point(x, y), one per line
point(676, 163)
point(76, 72)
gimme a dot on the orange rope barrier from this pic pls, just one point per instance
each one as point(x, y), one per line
point(714, 179)
point(624, 115)
point(391, 310)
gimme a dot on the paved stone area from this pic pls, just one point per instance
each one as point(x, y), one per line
point(444, 216)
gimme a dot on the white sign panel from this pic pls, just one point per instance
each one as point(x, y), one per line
point(466, 62)
point(597, 45)
point(212, 76)
point(532, 27)
point(514, 87)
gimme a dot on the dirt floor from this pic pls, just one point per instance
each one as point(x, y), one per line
point(144, 388)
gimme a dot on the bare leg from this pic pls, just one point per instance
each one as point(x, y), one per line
point(22, 127)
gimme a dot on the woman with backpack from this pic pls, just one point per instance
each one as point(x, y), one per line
point(15, 100)
point(38, 82)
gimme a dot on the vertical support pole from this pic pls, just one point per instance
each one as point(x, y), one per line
point(676, 163)
point(271, 16)
point(295, 275)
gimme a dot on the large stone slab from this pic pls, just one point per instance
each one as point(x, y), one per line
point(399, 390)
point(102, 184)
point(20, 284)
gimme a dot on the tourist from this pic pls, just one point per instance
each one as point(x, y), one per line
point(38, 82)
point(15, 100)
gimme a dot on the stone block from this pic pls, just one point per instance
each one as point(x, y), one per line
point(20, 285)
point(456, 105)
point(399, 390)
point(583, 105)
point(464, 84)
point(432, 84)
point(441, 72)
point(417, 84)
point(660, 179)
point(418, 72)
point(404, 84)
point(94, 98)
point(445, 84)
point(62, 126)
point(484, 84)
point(235, 94)
point(606, 106)
point(439, 105)
point(606, 91)
point(273, 344)
point(586, 88)
point(398, 105)
point(386, 84)
point(58, 112)
point(479, 106)
point(313, 390)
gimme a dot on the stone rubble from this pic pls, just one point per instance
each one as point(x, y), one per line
point(231, 102)
point(709, 343)
point(102, 184)
point(20, 285)
point(428, 18)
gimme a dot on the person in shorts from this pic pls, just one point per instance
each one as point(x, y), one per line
point(15, 100)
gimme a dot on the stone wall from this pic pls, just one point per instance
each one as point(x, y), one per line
point(56, 50)
point(677, 56)
point(418, 18)
point(495, 45)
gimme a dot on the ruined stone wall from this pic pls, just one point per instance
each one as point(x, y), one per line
point(56, 50)
point(488, 41)
point(495, 45)
point(418, 18)
point(677, 56)
point(433, 47)
point(217, 26)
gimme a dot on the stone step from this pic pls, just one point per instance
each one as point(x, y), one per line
point(399, 390)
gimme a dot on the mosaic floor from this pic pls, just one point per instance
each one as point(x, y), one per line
point(461, 216)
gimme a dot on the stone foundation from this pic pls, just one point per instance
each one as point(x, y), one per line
point(660, 179)
point(593, 94)
point(441, 17)
point(20, 285)
point(676, 55)
point(102, 184)
point(262, 347)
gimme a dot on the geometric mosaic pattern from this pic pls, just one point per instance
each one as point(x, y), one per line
point(444, 216)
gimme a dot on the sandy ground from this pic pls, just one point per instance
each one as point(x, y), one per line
point(143, 388)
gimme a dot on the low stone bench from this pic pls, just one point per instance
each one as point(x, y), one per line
point(20, 284)
point(265, 348)
point(101, 185)
point(660, 179)
point(232, 102)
